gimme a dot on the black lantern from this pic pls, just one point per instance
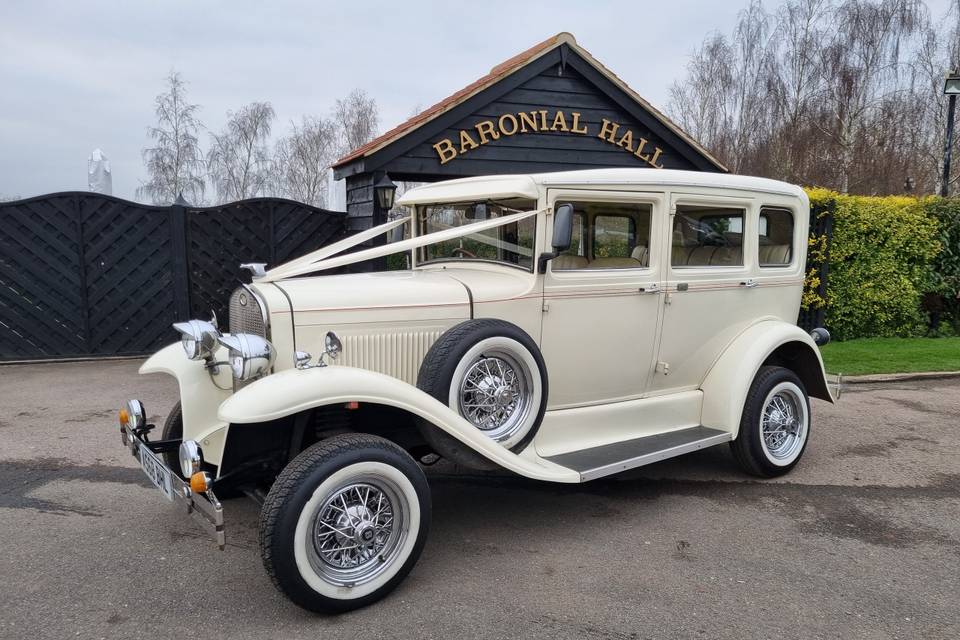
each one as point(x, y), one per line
point(384, 191)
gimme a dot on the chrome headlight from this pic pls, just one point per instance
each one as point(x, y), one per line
point(198, 337)
point(249, 355)
point(190, 458)
point(136, 415)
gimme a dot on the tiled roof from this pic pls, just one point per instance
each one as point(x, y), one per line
point(495, 74)
point(499, 72)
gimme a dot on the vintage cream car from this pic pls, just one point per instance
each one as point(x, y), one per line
point(562, 327)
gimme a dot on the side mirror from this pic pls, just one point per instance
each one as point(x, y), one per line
point(562, 227)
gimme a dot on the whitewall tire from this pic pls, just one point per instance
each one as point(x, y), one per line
point(775, 426)
point(344, 522)
point(492, 373)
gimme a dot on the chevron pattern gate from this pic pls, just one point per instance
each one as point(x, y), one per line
point(84, 274)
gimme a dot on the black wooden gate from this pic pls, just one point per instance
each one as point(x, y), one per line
point(84, 274)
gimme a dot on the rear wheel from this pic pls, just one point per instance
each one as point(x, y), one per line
point(775, 425)
point(344, 523)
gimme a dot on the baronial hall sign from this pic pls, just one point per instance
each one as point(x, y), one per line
point(542, 120)
point(553, 107)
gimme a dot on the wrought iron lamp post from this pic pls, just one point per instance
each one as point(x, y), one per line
point(951, 87)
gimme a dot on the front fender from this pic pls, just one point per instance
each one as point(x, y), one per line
point(727, 383)
point(200, 395)
point(292, 391)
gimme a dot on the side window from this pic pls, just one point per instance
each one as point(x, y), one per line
point(607, 235)
point(705, 236)
point(776, 238)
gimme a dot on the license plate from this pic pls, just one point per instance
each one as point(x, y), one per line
point(158, 474)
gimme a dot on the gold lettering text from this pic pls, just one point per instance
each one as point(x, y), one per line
point(528, 119)
point(576, 121)
point(642, 156)
point(466, 142)
point(445, 150)
point(508, 118)
point(608, 130)
point(626, 141)
point(543, 119)
point(656, 155)
point(485, 129)
point(559, 122)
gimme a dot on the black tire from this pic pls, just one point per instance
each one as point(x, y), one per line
point(440, 365)
point(301, 484)
point(749, 448)
point(173, 430)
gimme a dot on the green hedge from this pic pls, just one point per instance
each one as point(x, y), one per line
point(946, 266)
point(883, 260)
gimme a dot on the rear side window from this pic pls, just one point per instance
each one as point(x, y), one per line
point(706, 236)
point(775, 247)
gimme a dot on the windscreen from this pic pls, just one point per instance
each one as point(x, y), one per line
point(511, 244)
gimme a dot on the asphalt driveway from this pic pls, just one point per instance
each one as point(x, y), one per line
point(862, 540)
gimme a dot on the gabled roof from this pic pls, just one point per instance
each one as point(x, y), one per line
point(498, 73)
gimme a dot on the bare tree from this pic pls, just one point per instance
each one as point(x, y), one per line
point(862, 63)
point(175, 163)
point(838, 93)
point(302, 160)
point(356, 119)
point(723, 101)
point(238, 161)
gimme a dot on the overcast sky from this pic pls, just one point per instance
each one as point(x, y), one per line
point(76, 75)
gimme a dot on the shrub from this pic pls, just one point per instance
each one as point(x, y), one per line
point(881, 263)
point(946, 266)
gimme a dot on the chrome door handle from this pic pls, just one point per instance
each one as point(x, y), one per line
point(749, 284)
point(650, 288)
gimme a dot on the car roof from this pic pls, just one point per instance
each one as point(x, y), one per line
point(530, 185)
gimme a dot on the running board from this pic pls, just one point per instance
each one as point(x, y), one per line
point(621, 456)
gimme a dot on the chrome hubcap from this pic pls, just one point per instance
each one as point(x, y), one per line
point(783, 424)
point(356, 531)
point(495, 395)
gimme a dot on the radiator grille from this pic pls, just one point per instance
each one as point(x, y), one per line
point(246, 314)
point(394, 354)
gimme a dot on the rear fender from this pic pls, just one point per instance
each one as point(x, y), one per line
point(727, 383)
point(292, 391)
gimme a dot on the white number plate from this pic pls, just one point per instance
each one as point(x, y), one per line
point(155, 470)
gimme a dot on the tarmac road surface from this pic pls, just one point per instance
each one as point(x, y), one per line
point(861, 540)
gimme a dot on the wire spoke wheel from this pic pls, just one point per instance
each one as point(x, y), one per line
point(357, 531)
point(783, 422)
point(495, 394)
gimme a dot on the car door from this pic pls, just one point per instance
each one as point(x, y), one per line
point(601, 303)
point(708, 293)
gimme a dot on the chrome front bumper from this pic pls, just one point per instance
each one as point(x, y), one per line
point(204, 507)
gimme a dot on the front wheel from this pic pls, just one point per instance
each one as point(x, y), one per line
point(775, 425)
point(344, 523)
point(173, 430)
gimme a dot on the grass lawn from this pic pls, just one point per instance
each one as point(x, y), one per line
point(892, 355)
